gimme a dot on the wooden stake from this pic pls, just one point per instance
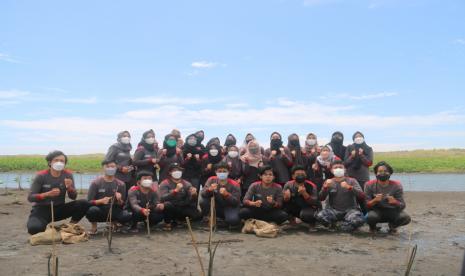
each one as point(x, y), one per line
point(148, 220)
point(194, 244)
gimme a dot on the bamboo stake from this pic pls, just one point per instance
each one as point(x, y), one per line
point(54, 259)
point(148, 220)
point(194, 244)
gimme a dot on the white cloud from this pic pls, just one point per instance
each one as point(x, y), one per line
point(91, 100)
point(70, 132)
point(13, 94)
point(8, 58)
point(12, 97)
point(203, 64)
point(460, 41)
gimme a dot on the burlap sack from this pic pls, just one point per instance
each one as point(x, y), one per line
point(46, 236)
point(73, 233)
point(260, 228)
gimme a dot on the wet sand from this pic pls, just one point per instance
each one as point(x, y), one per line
point(438, 228)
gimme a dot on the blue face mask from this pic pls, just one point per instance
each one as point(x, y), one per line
point(222, 175)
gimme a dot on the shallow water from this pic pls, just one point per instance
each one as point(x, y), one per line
point(410, 181)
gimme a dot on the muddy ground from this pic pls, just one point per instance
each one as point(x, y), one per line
point(438, 228)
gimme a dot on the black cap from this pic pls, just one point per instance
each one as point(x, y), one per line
point(140, 174)
point(175, 166)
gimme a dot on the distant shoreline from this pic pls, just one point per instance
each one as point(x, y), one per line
point(438, 161)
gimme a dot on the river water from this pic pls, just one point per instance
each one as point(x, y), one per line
point(410, 181)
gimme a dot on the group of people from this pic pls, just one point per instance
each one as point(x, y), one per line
point(328, 184)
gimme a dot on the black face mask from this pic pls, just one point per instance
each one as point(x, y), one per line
point(276, 144)
point(294, 143)
point(383, 177)
point(336, 139)
point(300, 178)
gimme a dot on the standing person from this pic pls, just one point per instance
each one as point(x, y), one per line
point(385, 199)
point(322, 166)
point(264, 199)
point(229, 141)
point(145, 157)
point(342, 194)
point(227, 194)
point(144, 201)
point(235, 163)
point(252, 160)
point(192, 153)
point(200, 137)
point(358, 159)
point(177, 134)
point(209, 160)
point(301, 197)
point(337, 144)
point(52, 185)
point(120, 152)
point(179, 198)
point(279, 158)
point(102, 192)
point(311, 152)
point(168, 155)
point(294, 147)
point(249, 137)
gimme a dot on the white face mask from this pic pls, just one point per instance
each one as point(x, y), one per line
point(146, 183)
point(125, 140)
point(311, 142)
point(359, 140)
point(192, 142)
point(150, 140)
point(176, 174)
point(339, 172)
point(233, 154)
point(58, 166)
point(213, 152)
point(110, 171)
point(222, 175)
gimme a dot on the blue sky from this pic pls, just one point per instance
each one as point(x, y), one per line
point(74, 73)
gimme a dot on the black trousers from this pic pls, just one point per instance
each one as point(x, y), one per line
point(394, 217)
point(229, 214)
point(100, 214)
point(271, 215)
point(41, 215)
point(154, 217)
point(172, 212)
point(306, 214)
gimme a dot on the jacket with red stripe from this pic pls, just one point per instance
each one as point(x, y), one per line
point(230, 199)
point(138, 200)
point(394, 188)
point(299, 199)
point(44, 182)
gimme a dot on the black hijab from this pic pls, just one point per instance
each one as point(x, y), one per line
point(293, 143)
point(152, 147)
point(338, 145)
point(230, 141)
point(218, 157)
point(357, 164)
point(276, 144)
point(170, 151)
point(196, 149)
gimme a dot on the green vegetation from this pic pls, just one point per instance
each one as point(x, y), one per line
point(77, 163)
point(425, 161)
point(422, 161)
